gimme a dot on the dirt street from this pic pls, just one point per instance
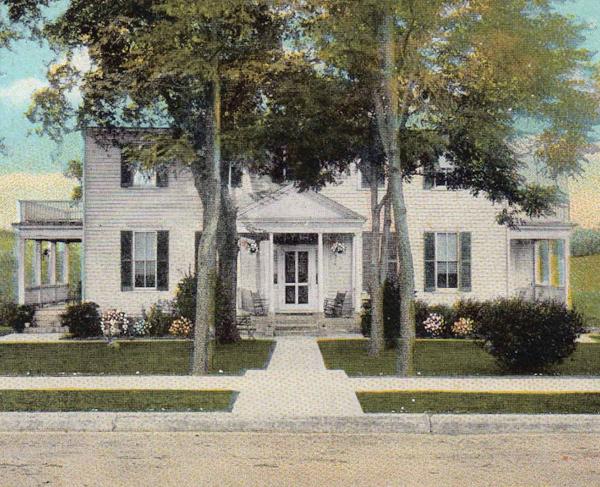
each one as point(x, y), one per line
point(252, 459)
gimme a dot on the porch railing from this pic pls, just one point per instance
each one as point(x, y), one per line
point(47, 294)
point(47, 211)
point(542, 293)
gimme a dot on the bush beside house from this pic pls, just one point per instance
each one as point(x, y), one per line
point(523, 336)
point(16, 316)
point(82, 320)
point(526, 336)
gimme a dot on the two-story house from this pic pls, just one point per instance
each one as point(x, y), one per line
point(139, 233)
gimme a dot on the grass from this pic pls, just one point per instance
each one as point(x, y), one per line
point(596, 338)
point(442, 358)
point(168, 357)
point(5, 330)
point(585, 287)
point(480, 402)
point(115, 400)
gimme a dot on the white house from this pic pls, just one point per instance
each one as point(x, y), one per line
point(138, 235)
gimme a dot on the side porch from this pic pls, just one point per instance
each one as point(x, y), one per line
point(539, 262)
point(48, 239)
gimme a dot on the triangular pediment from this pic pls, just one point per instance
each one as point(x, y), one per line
point(290, 205)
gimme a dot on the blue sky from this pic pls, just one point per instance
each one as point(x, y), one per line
point(23, 69)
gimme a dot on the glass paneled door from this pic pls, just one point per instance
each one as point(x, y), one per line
point(298, 278)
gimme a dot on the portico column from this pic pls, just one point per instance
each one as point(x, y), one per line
point(357, 269)
point(37, 263)
point(20, 251)
point(52, 264)
point(567, 271)
point(320, 273)
point(65, 263)
point(270, 269)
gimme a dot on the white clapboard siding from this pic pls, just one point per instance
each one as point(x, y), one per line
point(177, 208)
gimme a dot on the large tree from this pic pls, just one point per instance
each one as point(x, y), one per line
point(453, 78)
point(194, 66)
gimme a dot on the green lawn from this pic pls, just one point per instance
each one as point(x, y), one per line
point(147, 357)
point(115, 400)
point(442, 358)
point(585, 287)
point(479, 402)
point(5, 330)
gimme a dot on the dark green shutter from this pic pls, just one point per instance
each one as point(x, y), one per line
point(428, 176)
point(429, 254)
point(126, 261)
point(162, 176)
point(126, 172)
point(162, 260)
point(197, 237)
point(465, 262)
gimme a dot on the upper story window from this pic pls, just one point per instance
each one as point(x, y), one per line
point(437, 178)
point(133, 175)
point(143, 178)
point(365, 179)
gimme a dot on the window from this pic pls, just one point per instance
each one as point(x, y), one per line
point(438, 177)
point(446, 250)
point(550, 263)
point(447, 261)
point(365, 179)
point(143, 178)
point(133, 175)
point(144, 245)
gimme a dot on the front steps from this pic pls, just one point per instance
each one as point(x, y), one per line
point(47, 320)
point(303, 325)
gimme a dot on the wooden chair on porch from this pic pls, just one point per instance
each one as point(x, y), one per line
point(334, 307)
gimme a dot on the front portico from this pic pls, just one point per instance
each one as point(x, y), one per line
point(297, 248)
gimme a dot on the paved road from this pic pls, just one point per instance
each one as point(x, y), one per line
point(224, 459)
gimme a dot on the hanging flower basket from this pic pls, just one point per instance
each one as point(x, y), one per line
point(338, 248)
point(250, 245)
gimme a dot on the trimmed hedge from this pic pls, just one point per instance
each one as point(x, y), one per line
point(528, 336)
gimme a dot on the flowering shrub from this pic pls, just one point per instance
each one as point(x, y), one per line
point(181, 327)
point(159, 318)
point(114, 323)
point(140, 328)
point(434, 325)
point(463, 327)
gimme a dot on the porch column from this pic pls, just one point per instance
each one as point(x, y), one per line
point(238, 301)
point(65, 263)
point(52, 264)
point(37, 263)
point(20, 251)
point(567, 270)
point(270, 272)
point(320, 273)
point(357, 273)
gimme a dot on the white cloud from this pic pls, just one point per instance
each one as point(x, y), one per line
point(20, 91)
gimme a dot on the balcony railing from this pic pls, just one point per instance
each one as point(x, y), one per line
point(561, 215)
point(50, 212)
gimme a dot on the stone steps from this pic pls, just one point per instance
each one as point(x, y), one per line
point(47, 320)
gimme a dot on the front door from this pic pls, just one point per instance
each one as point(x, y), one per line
point(297, 286)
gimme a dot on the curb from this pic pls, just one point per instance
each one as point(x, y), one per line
point(444, 424)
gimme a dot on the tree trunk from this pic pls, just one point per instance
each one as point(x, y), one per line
point(377, 341)
point(227, 331)
point(207, 179)
point(386, 99)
